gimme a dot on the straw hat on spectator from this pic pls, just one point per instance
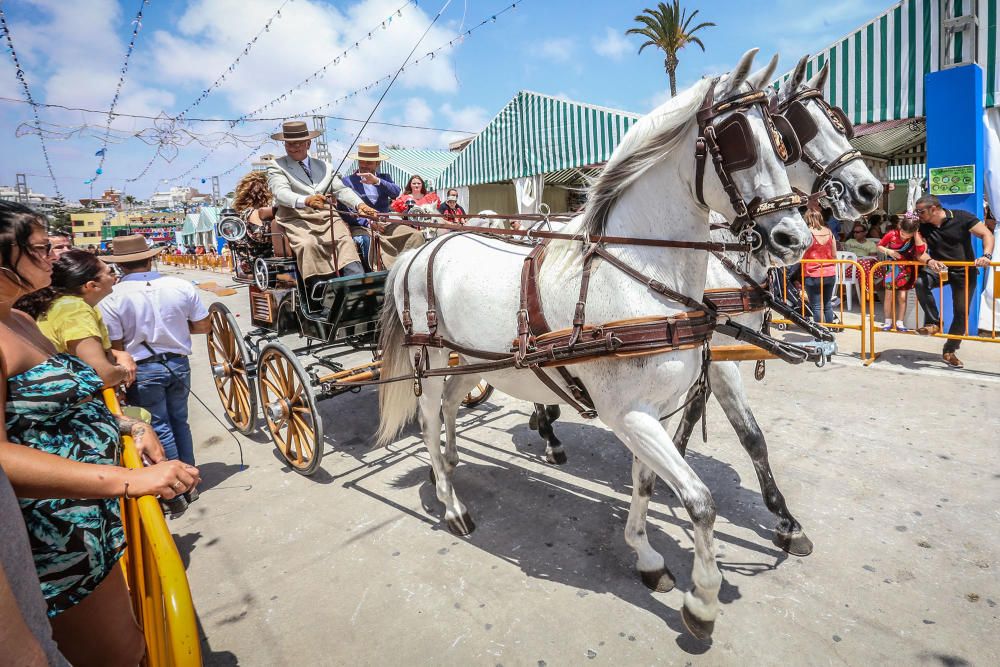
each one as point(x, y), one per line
point(129, 249)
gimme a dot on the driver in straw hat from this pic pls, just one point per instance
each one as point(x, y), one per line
point(298, 183)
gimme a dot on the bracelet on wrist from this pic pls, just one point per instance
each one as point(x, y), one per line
point(988, 255)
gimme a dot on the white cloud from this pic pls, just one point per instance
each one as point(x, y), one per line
point(613, 45)
point(559, 49)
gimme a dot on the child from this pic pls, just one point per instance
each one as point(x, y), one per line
point(903, 244)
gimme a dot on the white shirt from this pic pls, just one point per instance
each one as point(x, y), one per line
point(155, 309)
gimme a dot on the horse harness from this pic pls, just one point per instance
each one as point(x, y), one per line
point(732, 150)
point(793, 110)
point(537, 347)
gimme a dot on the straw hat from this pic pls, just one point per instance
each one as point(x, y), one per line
point(295, 130)
point(367, 153)
point(129, 249)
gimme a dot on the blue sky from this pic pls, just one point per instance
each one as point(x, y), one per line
point(72, 52)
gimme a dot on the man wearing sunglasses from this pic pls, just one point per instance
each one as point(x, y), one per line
point(451, 209)
point(948, 234)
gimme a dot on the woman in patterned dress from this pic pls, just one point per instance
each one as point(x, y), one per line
point(59, 444)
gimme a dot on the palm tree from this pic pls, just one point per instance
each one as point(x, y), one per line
point(667, 28)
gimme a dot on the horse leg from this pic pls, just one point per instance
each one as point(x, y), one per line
point(690, 416)
point(645, 436)
point(728, 384)
point(650, 563)
point(455, 390)
point(547, 415)
point(429, 405)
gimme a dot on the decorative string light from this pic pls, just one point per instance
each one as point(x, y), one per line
point(427, 56)
point(244, 160)
point(184, 137)
point(232, 66)
point(233, 121)
point(27, 96)
point(103, 152)
point(321, 72)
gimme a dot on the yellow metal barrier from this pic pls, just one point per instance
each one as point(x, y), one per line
point(870, 297)
point(841, 265)
point(158, 586)
point(220, 263)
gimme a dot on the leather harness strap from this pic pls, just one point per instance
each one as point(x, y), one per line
point(736, 300)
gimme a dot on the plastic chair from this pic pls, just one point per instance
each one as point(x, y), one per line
point(847, 275)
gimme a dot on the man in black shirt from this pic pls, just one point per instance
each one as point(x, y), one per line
point(948, 234)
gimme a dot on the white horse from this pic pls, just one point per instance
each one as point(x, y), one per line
point(648, 189)
point(831, 164)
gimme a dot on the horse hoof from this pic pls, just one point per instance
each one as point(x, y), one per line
point(461, 526)
point(700, 630)
point(796, 543)
point(660, 581)
point(533, 421)
point(556, 458)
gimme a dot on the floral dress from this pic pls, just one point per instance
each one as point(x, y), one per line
point(55, 407)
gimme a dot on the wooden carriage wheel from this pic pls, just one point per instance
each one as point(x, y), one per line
point(229, 359)
point(290, 408)
point(480, 393)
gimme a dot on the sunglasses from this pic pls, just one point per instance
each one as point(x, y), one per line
point(41, 249)
point(920, 211)
point(859, 231)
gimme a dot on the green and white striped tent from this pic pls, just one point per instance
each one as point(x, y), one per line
point(403, 163)
point(539, 134)
point(877, 72)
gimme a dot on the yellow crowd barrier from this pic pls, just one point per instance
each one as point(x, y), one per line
point(203, 262)
point(839, 278)
point(890, 303)
point(158, 586)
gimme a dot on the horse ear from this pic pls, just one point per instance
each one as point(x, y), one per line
point(740, 73)
point(799, 74)
point(819, 80)
point(759, 79)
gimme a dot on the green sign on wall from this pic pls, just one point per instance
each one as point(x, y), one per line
point(953, 180)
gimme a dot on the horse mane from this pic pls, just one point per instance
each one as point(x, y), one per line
point(650, 140)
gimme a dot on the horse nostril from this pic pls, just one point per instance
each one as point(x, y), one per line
point(784, 239)
point(869, 192)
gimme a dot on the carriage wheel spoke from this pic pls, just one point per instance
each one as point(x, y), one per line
point(270, 385)
point(305, 429)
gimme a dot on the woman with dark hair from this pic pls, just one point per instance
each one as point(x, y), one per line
point(67, 314)
point(59, 447)
point(414, 194)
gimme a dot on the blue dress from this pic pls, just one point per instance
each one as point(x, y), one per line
point(55, 407)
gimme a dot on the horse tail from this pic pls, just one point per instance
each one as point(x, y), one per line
point(397, 403)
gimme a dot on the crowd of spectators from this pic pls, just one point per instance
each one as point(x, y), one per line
point(63, 597)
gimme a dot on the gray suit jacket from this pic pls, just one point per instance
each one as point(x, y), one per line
point(288, 182)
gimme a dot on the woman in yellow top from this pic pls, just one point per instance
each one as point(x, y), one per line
point(66, 313)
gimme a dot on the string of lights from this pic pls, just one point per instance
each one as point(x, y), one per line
point(103, 152)
point(144, 169)
point(232, 121)
point(19, 72)
point(59, 132)
point(427, 56)
point(321, 72)
point(244, 160)
point(232, 66)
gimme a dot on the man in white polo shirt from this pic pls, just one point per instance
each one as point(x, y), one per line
point(152, 317)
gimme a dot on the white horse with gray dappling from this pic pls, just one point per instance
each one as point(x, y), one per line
point(647, 190)
point(830, 165)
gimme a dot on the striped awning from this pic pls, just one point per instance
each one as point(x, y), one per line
point(405, 163)
point(539, 134)
point(190, 224)
point(208, 217)
point(887, 139)
point(877, 72)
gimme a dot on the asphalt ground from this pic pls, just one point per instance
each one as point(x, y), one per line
point(892, 470)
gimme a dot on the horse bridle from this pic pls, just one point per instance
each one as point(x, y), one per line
point(794, 111)
point(733, 149)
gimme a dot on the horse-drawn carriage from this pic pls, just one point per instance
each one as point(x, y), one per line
point(256, 368)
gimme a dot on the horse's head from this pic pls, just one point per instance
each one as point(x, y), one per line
point(828, 163)
point(747, 148)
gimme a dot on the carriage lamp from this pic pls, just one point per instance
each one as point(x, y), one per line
point(231, 227)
